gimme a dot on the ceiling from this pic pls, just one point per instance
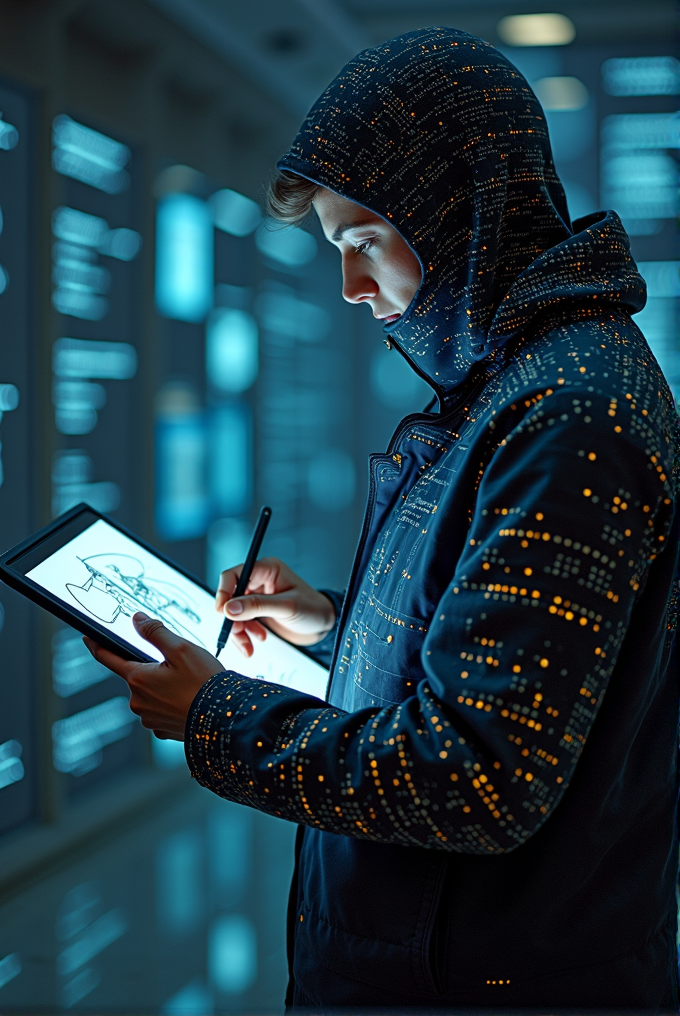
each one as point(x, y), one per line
point(293, 48)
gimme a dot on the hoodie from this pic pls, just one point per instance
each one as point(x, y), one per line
point(488, 795)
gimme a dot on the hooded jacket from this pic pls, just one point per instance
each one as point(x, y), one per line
point(488, 796)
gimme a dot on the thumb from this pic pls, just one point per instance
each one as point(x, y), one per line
point(155, 632)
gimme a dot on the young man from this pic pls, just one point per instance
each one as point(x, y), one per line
point(487, 802)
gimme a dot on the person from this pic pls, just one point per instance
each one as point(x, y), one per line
point(486, 801)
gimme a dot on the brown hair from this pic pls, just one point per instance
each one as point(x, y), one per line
point(289, 197)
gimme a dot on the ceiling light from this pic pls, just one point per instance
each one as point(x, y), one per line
point(561, 94)
point(536, 30)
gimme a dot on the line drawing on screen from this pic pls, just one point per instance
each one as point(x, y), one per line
point(118, 585)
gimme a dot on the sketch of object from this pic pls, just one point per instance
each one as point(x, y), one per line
point(117, 584)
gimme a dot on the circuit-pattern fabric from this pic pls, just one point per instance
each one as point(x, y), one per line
point(488, 797)
point(437, 132)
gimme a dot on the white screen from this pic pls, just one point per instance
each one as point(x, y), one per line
point(107, 577)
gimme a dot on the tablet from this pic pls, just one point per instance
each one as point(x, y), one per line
point(93, 574)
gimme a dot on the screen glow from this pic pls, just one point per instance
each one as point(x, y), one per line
point(235, 213)
point(73, 667)
point(290, 247)
point(230, 459)
point(9, 136)
point(231, 350)
point(72, 483)
point(85, 358)
point(536, 30)
point(11, 766)
point(639, 177)
point(10, 967)
point(88, 156)
point(78, 740)
point(184, 258)
point(232, 954)
point(331, 479)
point(564, 94)
point(181, 495)
point(106, 577)
point(76, 404)
point(642, 75)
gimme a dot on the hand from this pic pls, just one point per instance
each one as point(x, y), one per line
point(161, 693)
point(291, 608)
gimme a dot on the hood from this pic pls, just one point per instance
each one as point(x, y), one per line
point(439, 134)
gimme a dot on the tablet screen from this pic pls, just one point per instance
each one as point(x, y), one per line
point(107, 577)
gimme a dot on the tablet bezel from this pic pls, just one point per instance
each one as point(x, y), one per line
point(49, 539)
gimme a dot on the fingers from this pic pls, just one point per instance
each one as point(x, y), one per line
point(227, 585)
point(269, 574)
point(245, 636)
point(124, 668)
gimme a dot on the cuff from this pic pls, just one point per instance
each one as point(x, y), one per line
point(322, 651)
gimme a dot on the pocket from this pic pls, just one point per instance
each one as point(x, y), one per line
point(387, 666)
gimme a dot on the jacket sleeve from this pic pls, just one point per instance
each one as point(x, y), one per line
point(573, 506)
point(322, 651)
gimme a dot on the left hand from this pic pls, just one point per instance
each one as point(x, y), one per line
point(161, 693)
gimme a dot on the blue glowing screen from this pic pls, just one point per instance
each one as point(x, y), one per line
point(184, 258)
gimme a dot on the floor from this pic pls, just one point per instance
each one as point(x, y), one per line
point(182, 913)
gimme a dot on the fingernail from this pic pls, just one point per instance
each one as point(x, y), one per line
point(235, 607)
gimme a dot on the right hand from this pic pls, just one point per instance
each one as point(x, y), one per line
point(291, 607)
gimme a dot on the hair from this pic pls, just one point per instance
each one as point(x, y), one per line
point(289, 197)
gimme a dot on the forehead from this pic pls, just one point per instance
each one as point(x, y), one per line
point(334, 210)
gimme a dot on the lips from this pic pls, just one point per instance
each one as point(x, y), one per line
point(389, 319)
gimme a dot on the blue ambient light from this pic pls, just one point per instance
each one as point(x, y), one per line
point(78, 740)
point(11, 766)
point(232, 954)
point(639, 176)
point(280, 311)
point(76, 400)
point(331, 479)
point(10, 967)
point(395, 383)
point(86, 155)
point(9, 135)
point(235, 213)
point(73, 666)
point(291, 248)
point(86, 358)
point(641, 75)
point(178, 880)
point(231, 350)
point(226, 545)
point(182, 508)
point(80, 282)
point(184, 257)
point(230, 459)
point(659, 319)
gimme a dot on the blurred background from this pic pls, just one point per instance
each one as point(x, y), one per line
point(168, 359)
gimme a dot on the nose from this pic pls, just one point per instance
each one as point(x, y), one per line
point(357, 284)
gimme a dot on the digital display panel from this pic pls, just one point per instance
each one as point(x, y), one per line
point(98, 412)
point(106, 577)
point(18, 689)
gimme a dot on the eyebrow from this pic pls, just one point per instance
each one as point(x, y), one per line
point(342, 228)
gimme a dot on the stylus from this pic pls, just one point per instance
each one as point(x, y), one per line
point(242, 584)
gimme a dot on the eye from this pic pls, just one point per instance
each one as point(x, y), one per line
point(364, 247)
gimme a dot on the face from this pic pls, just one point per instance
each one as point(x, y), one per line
point(378, 266)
